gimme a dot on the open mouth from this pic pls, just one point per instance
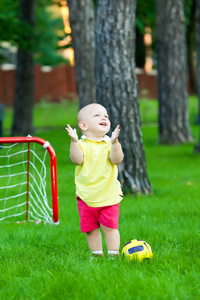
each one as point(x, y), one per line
point(103, 124)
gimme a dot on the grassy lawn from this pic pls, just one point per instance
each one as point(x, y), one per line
point(52, 262)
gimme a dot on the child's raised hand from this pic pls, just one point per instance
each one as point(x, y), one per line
point(115, 134)
point(72, 133)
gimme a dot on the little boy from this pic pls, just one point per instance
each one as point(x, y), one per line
point(97, 189)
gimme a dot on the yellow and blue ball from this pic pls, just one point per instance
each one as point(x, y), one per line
point(137, 250)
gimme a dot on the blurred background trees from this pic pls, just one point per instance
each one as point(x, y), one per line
point(197, 36)
point(24, 90)
point(29, 27)
point(47, 33)
point(161, 39)
point(172, 73)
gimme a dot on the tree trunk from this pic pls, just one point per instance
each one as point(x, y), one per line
point(191, 49)
point(117, 87)
point(197, 147)
point(172, 73)
point(81, 14)
point(198, 47)
point(24, 91)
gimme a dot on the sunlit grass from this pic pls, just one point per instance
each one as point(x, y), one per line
point(65, 111)
point(149, 110)
point(47, 114)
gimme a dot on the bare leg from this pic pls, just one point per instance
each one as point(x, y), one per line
point(112, 238)
point(94, 240)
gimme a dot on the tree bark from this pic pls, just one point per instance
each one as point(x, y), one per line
point(197, 147)
point(198, 47)
point(117, 87)
point(172, 73)
point(24, 90)
point(191, 49)
point(81, 14)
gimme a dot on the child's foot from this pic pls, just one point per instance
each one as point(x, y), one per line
point(96, 254)
point(113, 254)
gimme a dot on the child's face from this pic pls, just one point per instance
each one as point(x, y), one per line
point(96, 121)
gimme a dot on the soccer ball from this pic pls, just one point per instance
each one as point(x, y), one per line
point(138, 250)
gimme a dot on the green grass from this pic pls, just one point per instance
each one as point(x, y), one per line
point(48, 114)
point(52, 262)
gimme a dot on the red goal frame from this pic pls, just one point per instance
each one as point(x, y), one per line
point(53, 166)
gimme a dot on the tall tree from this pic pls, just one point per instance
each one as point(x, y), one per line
point(116, 84)
point(190, 8)
point(198, 48)
point(81, 15)
point(172, 73)
point(23, 106)
point(197, 147)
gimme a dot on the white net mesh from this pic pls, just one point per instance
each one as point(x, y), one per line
point(24, 174)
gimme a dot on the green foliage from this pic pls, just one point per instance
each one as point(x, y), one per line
point(48, 32)
point(9, 21)
point(42, 40)
point(145, 17)
point(52, 262)
point(145, 14)
point(188, 10)
point(12, 29)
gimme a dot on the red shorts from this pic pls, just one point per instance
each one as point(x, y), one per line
point(92, 217)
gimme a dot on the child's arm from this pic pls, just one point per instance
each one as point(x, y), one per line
point(76, 154)
point(116, 154)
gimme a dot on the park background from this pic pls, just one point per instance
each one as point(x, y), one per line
point(44, 261)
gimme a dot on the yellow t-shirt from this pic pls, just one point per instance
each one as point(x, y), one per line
point(96, 179)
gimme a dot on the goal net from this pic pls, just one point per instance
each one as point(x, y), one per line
point(28, 180)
